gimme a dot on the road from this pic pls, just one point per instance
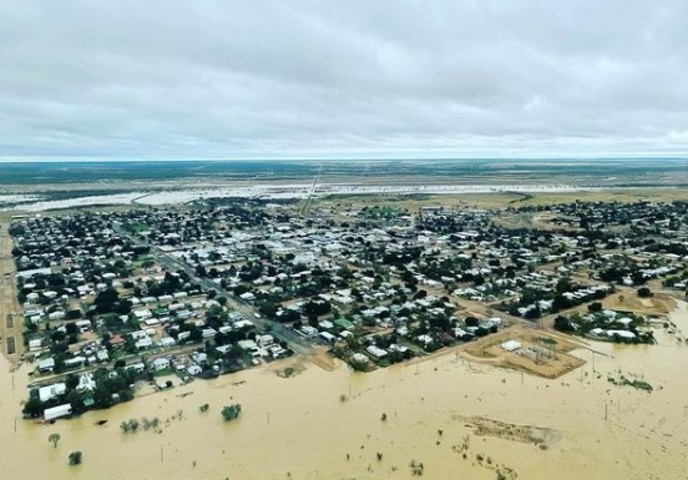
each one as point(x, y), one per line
point(11, 320)
point(297, 343)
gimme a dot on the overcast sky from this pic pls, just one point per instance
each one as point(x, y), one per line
point(426, 78)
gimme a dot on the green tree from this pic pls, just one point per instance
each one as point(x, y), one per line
point(33, 407)
point(72, 381)
point(644, 292)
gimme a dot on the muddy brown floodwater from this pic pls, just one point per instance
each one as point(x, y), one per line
point(323, 424)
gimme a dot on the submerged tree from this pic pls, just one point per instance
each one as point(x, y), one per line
point(231, 412)
point(54, 438)
point(75, 458)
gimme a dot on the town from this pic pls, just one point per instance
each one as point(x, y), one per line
point(120, 299)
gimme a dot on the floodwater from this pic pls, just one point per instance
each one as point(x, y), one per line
point(301, 428)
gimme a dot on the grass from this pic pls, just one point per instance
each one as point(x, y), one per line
point(139, 227)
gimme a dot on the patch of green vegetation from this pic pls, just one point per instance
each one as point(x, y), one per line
point(635, 383)
point(382, 211)
point(139, 227)
point(286, 373)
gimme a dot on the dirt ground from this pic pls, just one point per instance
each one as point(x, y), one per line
point(542, 353)
point(505, 199)
point(11, 319)
point(483, 426)
point(628, 300)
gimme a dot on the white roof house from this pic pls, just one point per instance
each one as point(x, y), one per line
point(144, 343)
point(57, 412)
point(161, 364)
point(46, 365)
point(142, 314)
point(51, 391)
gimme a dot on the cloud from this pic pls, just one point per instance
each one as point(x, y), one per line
point(260, 78)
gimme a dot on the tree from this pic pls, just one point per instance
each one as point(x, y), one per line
point(644, 292)
point(75, 458)
point(54, 438)
point(472, 321)
point(562, 324)
point(231, 412)
point(33, 407)
point(595, 307)
point(72, 381)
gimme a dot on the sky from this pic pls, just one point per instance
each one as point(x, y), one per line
point(165, 79)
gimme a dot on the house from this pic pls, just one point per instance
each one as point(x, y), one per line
point(86, 383)
point(376, 351)
point(247, 296)
point(142, 314)
point(35, 344)
point(51, 391)
point(47, 365)
point(265, 341)
point(194, 370)
point(75, 362)
point(309, 331)
point(621, 333)
point(328, 337)
point(137, 367)
point(144, 343)
point(116, 341)
point(161, 363)
point(246, 344)
point(359, 358)
point(102, 355)
point(208, 332)
point(83, 325)
point(50, 414)
point(343, 323)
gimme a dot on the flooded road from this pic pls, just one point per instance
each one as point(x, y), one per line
point(328, 424)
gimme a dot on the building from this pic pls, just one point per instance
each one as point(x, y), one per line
point(51, 391)
point(161, 364)
point(53, 413)
point(47, 365)
point(511, 345)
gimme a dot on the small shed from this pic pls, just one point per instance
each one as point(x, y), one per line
point(511, 345)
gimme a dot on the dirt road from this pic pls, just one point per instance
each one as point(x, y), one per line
point(11, 320)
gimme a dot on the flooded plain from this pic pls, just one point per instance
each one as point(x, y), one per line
point(459, 419)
